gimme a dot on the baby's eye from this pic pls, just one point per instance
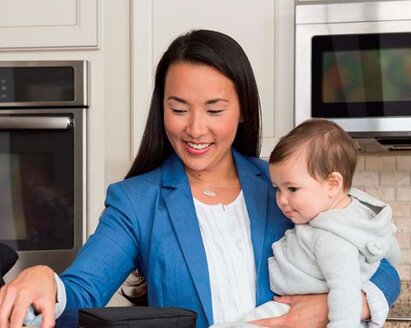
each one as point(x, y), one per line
point(292, 189)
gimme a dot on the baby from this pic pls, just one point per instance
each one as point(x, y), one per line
point(340, 233)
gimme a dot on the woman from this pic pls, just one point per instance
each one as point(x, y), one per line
point(196, 214)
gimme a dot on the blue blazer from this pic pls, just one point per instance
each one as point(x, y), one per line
point(150, 223)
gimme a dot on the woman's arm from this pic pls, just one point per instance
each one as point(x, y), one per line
point(108, 256)
point(388, 281)
point(381, 297)
point(311, 311)
point(101, 266)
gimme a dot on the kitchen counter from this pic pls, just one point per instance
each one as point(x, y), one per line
point(400, 313)
point(397, 324)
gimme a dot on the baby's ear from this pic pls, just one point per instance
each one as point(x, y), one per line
point(335, 182)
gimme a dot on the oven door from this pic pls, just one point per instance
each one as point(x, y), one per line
point(41, 185)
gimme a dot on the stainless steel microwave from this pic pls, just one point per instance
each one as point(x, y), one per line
point(353, 66)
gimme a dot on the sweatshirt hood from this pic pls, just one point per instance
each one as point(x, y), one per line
point(366, 223)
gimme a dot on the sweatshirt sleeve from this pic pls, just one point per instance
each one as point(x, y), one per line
point(339, 265)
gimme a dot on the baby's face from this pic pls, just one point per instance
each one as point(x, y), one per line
point(299, 196)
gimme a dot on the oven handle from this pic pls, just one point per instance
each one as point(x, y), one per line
point(36, 122)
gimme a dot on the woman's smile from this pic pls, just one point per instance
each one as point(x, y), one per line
point(198, 148)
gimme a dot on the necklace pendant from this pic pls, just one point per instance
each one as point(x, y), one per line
point(209, 193)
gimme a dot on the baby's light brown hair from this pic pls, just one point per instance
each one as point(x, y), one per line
point(327, 146)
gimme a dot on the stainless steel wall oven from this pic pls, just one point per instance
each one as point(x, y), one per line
point(42, 156)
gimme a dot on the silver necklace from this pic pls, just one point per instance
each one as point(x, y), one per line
point(207, 191)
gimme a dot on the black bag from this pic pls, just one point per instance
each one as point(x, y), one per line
point(136, 316)
point(8, 258)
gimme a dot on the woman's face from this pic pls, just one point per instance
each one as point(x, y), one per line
point(201, 115)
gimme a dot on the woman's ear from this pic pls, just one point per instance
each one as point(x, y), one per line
point(335, 183)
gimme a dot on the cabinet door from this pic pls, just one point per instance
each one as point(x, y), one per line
point(48, 23)
point(254, 24)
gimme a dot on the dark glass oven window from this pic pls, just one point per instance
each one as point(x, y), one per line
point(361, 75)
point(36, 84)
point(36, 184)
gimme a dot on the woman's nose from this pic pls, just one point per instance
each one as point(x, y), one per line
point(195, 126)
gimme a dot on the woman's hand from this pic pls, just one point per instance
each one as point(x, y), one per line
point(306, 311)
point(365, 313)
point(34, 286)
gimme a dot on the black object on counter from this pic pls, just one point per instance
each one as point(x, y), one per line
point(8, 257)
point(137, 316)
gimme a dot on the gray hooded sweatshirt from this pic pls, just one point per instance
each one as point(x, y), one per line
point(336, 252)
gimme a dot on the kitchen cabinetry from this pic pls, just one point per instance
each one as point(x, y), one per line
point(263, 28)
point(48, 24)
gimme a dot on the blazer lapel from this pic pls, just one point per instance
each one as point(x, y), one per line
point(255, 190)
point(178, 199)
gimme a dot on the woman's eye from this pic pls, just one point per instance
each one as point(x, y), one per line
point(215, 112)
point(292, 189)
point(178, 111)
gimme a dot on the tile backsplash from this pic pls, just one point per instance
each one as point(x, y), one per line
point(388, 177)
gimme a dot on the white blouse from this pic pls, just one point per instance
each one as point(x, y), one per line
point(226, 234)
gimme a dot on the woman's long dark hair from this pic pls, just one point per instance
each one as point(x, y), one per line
point(220, 51)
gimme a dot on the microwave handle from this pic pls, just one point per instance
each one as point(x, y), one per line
point(36, 122)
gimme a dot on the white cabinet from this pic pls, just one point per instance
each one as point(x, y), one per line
point(48, 24)
point(256, 25)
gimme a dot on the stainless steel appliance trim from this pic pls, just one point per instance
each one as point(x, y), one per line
point(80, 82)
point(304, 34)
point(402, 319)
point(375, 124)
point(35, 122)
point(58, 259)
point(366, 11)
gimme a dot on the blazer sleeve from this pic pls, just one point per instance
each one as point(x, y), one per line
point(107, 257)
point(386, 278)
